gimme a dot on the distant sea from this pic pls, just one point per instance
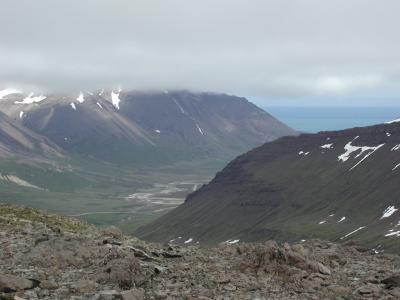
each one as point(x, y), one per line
point(314, 119)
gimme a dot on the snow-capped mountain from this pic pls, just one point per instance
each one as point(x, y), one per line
point(144, 128)
point(341, 185)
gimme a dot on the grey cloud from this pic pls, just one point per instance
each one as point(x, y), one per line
point(269, 49)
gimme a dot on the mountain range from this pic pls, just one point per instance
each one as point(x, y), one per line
point(121, 157)
point(339, 185)
point(144, 128)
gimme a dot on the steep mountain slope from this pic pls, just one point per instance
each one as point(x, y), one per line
point(338, 185)
point(31, 165)
point(18, 141)
point(146, 129)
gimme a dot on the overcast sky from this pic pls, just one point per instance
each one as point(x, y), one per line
point(275, 52)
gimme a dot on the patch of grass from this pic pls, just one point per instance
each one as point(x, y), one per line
point(17, 215)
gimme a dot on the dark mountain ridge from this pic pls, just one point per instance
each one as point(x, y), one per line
point(337, 185)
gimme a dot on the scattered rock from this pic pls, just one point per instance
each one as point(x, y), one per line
point(318, 267)
point(48, 285)
point(125, 272)
point(229, 287)
point(134, 294)
point(10, 283)
point(171, 255)
point(222, 280)
point(112, 231)
point(159, 269)
point(395, 292)
point(43, 238)
point(110, 295)
point(84, 286)
point(112, 242)
point(340, 290)
point(392, 281)
point(140, 253)
point(369, 290)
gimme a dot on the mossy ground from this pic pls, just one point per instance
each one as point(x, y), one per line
point(18, 215)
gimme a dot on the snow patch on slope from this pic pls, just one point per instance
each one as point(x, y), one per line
point(115, 98)
point(232, 242)
point(185, 113)
point(354, 231)
point(6, 92)
point(350, 149)
point(31, 99)
point(326, 146)
point(390, 210)
point(303, 153)
point(395, 148)
point(394, 233)
point(80, 98)
point(199, 129)
point(393, 121)
point(396, 166)
point(179, 106)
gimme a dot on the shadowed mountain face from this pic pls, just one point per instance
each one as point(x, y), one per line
point(147, 129)
point(339, 185)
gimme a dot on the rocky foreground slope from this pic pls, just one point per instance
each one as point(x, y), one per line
point(45, 256)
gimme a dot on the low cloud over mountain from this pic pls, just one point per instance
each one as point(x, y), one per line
point(267, 49)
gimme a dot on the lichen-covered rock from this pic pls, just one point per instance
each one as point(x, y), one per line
point(124, 272)
point(10, 283)
point(134, 294)
point(112, 231)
